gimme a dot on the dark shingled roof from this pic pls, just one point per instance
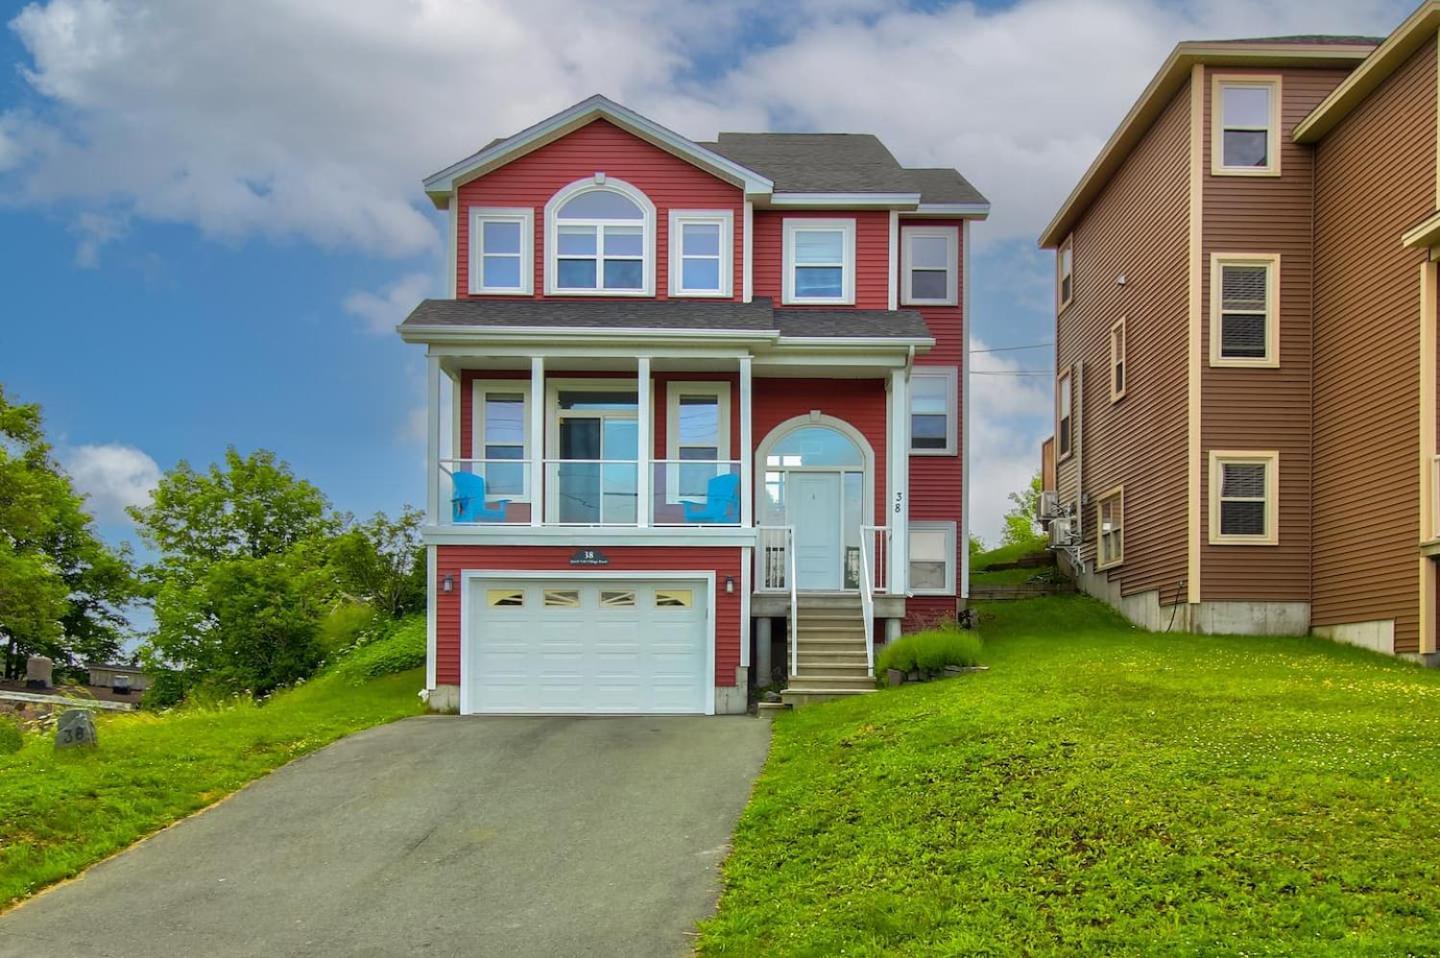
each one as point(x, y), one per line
point(839, 163)
point(723, 315)
point(1317, 38)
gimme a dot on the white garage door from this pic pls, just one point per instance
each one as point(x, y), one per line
point(586, 645)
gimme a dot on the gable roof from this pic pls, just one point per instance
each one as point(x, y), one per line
point(1174, 73)
point(841, 163)
point(440, 185)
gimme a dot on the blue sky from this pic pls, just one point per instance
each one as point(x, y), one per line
point(211, 213)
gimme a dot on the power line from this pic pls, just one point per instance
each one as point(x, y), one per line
point(1013, 372)
point(1009, 349)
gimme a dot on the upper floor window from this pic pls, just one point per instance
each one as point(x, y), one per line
point(600, 234)
point(1246, 133)
point(1244, 310)
point(1064, 273)
point(1117, 360)
point(932, 411)
point(929, 265)
point(819, 262)
point(500, 245)
point(1063, 400)
point(701, 252)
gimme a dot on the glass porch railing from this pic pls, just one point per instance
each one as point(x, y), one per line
point(591, 492)
point(485, 491)
point(695, 492)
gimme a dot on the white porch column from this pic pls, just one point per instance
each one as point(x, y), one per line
point(747, 455)
point(537, 439)
point(644, 417)
point(432, 439)
point(897, 510)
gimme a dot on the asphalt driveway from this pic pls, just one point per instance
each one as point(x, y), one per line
point(433, 836)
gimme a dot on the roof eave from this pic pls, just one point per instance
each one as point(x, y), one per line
point(963, 211)
point(1172, 75)
point(896, 201)
point(1384, 60)
point(448, 333)
point(439, 186)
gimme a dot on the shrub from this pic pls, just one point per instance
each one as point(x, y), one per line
point(400, 647)
point(930, 651)
point(348, 624)
point(11, 738)
point(167, 689)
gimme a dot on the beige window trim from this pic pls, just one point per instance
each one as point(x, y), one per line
point(1271, 262)
point(1065, 274)
point(1064, 416)
point(1217, 124)
point(1271, 460)
point(1119, 365)
point(1110, 543)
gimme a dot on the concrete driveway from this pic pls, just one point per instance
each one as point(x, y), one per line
point(433, 836)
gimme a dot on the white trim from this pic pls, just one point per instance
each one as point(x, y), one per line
point(965, 412)
point(892, 282)
point(478, 389)
point(969, 211)
point(846, 200)
point(467, 576)
point(1272, 83)
point(846, 227)
point(432, 615)
point(440, 184)
point(525, 217)
point(951, 533)
point(503, 534)
point(537, 429)
point(1270, 459)
point(951, 236)
point(747, 448)
point(452, 248)
point(600, 183)
point(673, 390)
point(724, 219)
point(747, 255)
point(952, 407)
point(747, 560)
point(897, 476)
point(644, 441)
point(574, 334)
point(432, 438)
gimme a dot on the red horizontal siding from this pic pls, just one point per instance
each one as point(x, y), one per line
point(531, 180)
point(872, 253)
point(452, 560)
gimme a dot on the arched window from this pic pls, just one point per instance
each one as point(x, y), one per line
point(601, 240)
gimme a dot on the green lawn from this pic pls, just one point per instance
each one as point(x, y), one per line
point(61, 812)
point(1101, 791)
point(982, 575)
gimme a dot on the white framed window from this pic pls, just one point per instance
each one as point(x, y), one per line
point(933, 402)
point(1244, 498)
point(1063, 415)
point(1118, 371)
point(1244, 309)
point(1064, 274)
point(932, 558)
point(501, 250)
point(1245, 126)
point(702, 253)
point(819, 262)
point(600, 240)
point(697, 438)
point(500, 429)
point(1110, 529)
point(929, 265)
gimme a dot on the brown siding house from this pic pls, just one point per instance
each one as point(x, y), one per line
point(1246, 346)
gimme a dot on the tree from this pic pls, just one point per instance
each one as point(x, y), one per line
point(62, 590)
point(1022, 522)
point(243, 578)
point(383, 563)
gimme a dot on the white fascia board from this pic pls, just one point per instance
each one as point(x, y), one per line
point(845, 200)
point(880, 343)
point(518, 535)
point(574, 334)
point(965, 211)
point(443, 183)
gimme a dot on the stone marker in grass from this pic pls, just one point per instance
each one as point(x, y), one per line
point(75, 729)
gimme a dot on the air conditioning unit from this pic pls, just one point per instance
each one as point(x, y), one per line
point(1062, 532)
point(1049, 504)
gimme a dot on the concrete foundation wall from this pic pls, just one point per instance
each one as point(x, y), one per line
point(444, 699)
point(1377, 636)
point(734, 700)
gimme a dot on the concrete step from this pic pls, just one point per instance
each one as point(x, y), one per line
point(831, 641)
point(829, 602)
point(855, 670)
point(808, 681)
point(796, 697)
point(831, 656)
point(839, 631)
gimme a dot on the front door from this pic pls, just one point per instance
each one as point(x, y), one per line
point(814, 503)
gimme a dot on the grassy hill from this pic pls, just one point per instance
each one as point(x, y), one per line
point(62, 811)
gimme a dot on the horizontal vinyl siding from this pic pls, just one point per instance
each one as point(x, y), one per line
point(1138, 227)
point(453, 560)
point(1375, 178)
point(600, 146)
point(872, 253)
point(1264, 409)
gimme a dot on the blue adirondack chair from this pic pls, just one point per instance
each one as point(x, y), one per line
point(722, 502)
point(469, 500)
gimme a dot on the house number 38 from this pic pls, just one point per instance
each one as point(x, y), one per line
point(899, 502)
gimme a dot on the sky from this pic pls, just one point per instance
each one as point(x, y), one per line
point(211, 215)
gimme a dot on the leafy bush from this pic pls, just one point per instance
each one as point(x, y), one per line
point(349, 624)
point(11, 739)
point(930, 651)
point(400, 647)
point(167, 689)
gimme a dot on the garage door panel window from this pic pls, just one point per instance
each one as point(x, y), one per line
point(562, 599)
point(673, 598)
point(617, 600)
point(505, 598)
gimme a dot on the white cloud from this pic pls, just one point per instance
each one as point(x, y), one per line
point(112, 476)
point(383, 311)
point(1010, 414)
point(95, 231)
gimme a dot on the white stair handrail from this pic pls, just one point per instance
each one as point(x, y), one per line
point(867, 595)
point(794, 601)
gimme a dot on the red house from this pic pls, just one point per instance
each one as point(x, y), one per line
point(705, 415)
